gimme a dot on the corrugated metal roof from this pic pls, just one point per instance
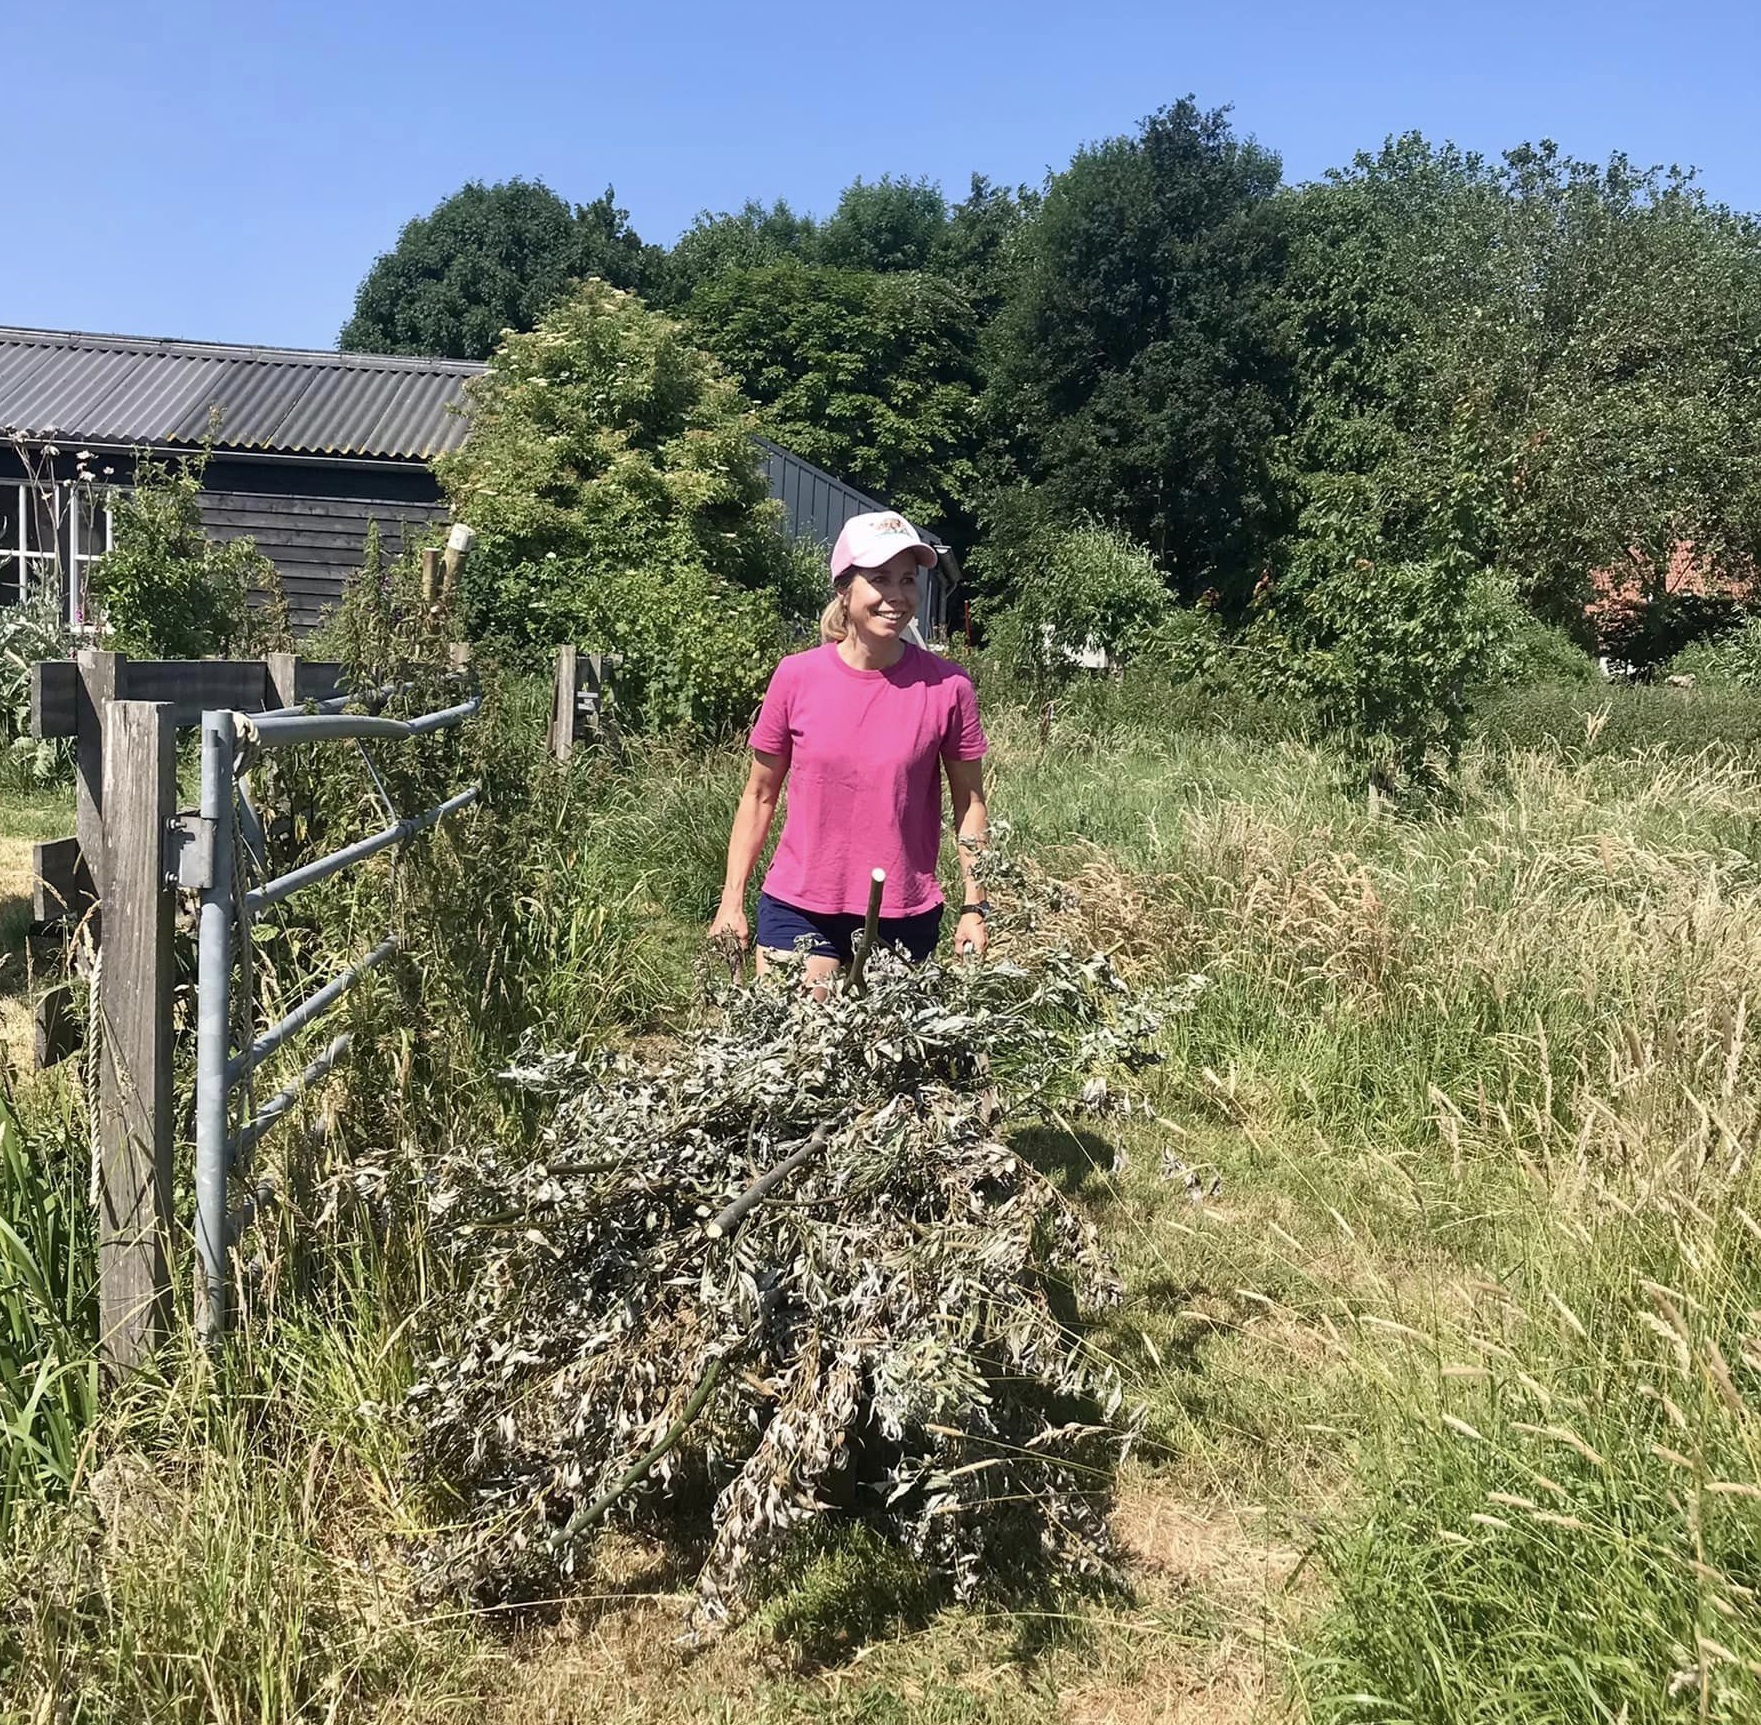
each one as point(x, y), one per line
point(120, 389)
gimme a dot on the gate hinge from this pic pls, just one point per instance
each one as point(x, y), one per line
point(189, 851)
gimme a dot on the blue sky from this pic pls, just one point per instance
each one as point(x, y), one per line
point(228, 172)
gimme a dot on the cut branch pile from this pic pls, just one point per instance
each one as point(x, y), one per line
point(794, 1270)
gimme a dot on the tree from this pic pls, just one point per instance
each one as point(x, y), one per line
point(1138, 369)
point(1540, 365)
point(871, 375)
point(612, 481)
point(884, 224)
point(748, 238)
point(486, 259)
point(973, 249)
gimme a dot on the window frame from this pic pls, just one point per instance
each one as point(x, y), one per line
point(26, 569)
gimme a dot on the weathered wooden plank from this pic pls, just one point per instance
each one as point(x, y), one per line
point(562, 706)
point(328, 542)
point(192, 686)
point(61, 884)
point(134, 1007)
point(60, 1034)
point(54, 698)
point(99, 674)
point(283, 673)
point(317, 680)
point(298, 505)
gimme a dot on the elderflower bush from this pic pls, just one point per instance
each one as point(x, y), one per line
point(880, 1336)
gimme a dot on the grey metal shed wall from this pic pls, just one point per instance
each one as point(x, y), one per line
point(315, 542)
point(818, 504)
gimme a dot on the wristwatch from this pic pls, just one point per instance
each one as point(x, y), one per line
point(981, 910)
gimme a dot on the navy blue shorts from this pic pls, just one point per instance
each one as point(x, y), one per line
point(834, 933)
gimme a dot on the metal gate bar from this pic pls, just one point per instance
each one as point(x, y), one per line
point(285, 886)
point(222, 1150)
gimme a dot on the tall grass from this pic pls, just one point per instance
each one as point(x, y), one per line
point(1485, 1097)
point(48, 1372)
point(1441, 1244)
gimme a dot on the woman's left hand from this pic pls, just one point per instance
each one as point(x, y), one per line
point(972, 936)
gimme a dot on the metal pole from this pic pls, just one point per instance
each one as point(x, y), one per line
point(214, 1029)
point(280, 730)
point(272, 1111)
point(313, 1006)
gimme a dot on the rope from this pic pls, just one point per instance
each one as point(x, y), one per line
point(243, 1028)
point(248, 744)
point(94, 1018)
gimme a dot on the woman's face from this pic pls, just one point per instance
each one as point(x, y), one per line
point(883, 601)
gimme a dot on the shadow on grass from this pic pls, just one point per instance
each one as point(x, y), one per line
point(843, 1585)
point(1077, 1162)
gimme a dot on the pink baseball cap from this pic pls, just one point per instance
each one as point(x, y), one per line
point(868, 541)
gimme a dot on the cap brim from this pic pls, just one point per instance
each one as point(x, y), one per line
point(926, 555)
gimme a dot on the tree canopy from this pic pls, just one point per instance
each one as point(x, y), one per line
point(745, 239)
point(1138, 371)
point(1539, 365)
point(871, 375)
point(1535, 370)
point(486, 259)
point(884, 224)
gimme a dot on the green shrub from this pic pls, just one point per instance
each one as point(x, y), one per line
point(168, 591)
point(29, 632)
point(1532, 651)
point(1185, 645)
point(1079, 590)
point(1728, 661)
point(613, 484)
point(1386, 655)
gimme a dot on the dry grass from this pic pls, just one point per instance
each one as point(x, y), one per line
point(1198, 1642)
point(15, 914)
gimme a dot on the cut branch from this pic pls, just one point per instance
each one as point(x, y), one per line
point(760, 1188)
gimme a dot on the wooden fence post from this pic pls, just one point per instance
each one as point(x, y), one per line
point(562, 712)
point(283, 673)
point(579, 703)
point(101, 676)
point(134, 1008)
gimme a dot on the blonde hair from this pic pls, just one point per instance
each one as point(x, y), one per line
point(834, 620)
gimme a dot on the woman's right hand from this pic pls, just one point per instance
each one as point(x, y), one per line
point(730, 924)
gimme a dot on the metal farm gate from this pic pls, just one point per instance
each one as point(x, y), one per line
point(225, 1145)
point(114, 886)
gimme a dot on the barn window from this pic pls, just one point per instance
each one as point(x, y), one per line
point(30, 519)
point(45, 529)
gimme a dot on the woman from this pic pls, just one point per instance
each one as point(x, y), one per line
point(861, 727)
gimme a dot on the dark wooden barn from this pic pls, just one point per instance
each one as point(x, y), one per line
point(307, 447)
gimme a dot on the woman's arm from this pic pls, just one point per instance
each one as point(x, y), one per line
point(758, 807)
point(972, 824)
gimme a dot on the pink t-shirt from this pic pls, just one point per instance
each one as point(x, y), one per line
point(864, 751)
